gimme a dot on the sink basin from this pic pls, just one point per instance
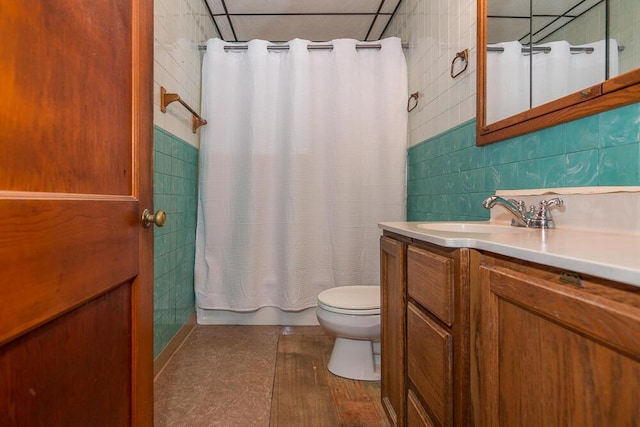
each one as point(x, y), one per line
point(470, 227)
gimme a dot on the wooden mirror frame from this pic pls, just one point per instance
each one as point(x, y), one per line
point(621, 90)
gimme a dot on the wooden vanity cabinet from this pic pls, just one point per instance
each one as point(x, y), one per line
point(552, 348)
point(438, 335)
point(425, 333)
point(470, 337)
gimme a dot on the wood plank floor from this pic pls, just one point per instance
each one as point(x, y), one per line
point(306, 394)
point(261, 376)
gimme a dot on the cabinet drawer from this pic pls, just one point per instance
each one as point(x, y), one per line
point(430, 282)
point(416, 415)
point(430, 361)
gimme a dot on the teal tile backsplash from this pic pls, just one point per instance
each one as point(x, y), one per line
point(174, 191)
point(448, 176)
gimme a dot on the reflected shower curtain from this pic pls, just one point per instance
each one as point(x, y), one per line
point(507, 81)
point(555, 73)
point(552, 72)
point(303, 155)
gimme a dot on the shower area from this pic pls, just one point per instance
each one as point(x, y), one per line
point(304, 154)
point(293, 178)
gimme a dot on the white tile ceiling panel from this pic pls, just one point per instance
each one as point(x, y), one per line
point(378, 27)
point(389, 6)
point(225, 28)
point(216, 6)
point(508, 8)
point(548, 12)
point(558, 7)
point(540, 7)
point(309, 27)
point(543, 27)
point(586, 6)
point(301, 6)
point(506, 30)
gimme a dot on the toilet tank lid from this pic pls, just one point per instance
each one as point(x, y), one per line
point(359, 297)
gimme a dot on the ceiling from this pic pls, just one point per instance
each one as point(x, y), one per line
point(510, 19)
point(283, 20)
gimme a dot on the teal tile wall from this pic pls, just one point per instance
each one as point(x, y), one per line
point(174, 191)
point(448, 176)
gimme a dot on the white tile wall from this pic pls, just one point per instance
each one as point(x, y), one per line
point(436, 30)
point(179, 26)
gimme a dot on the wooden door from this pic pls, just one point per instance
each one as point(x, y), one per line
point(393, 328)
point(556, 349)
point(76, 319)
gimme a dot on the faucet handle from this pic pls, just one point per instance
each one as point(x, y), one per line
point(543, 216)
point(543, 206)
point(519, 204)
point(555, 201)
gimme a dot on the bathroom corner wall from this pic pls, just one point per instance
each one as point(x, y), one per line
point(448, 176)
point(175, 182)
point(179, 27)
point(436, 31)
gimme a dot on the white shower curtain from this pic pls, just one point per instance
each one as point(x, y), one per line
point(507, 81)
point(304, 153)
point(554, 74)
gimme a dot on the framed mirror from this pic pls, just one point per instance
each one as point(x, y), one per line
point(546, 62)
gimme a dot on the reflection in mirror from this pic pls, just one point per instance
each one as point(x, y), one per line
point(624, 16)
point(569, 52)
point(508, 62)
point(545, 62)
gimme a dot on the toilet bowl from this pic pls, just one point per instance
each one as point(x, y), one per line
point(352, 313)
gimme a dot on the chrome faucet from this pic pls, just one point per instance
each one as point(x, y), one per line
point(534, 217)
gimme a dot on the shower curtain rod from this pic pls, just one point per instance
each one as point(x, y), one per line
point(310, 47)
point(547, 49)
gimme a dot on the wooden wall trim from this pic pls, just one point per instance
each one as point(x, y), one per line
point(176, 342)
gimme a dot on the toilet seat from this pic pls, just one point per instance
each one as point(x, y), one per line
point(360, 300)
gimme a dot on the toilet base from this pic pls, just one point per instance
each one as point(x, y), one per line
point(355, 359)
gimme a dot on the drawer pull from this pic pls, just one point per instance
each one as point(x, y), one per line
point(572, 279)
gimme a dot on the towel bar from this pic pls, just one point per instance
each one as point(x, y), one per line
point(168, 98)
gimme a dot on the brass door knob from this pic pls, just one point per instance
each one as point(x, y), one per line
point(148, 218)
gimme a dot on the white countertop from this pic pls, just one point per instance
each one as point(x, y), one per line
point(605, 254)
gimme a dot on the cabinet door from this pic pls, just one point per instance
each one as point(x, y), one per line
point(416, 415)
point(430, 363)
point(393, 287)
point(557, 353)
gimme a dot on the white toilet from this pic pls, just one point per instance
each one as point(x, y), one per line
point(353, 314)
